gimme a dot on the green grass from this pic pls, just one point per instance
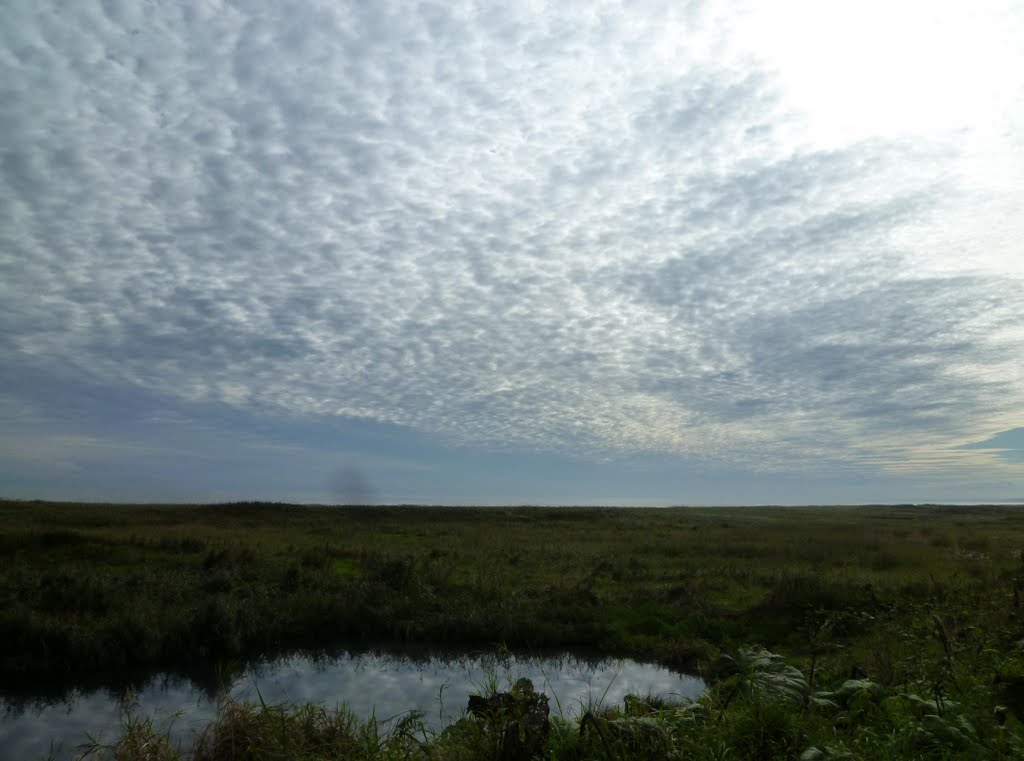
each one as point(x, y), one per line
point(923, 601)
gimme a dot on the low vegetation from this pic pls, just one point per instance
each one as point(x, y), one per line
point(875, 632)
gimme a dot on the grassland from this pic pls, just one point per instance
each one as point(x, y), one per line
point(919, 606)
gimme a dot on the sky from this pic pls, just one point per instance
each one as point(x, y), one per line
point(650, 253)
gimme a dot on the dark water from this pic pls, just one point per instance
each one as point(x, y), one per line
point(370, 684)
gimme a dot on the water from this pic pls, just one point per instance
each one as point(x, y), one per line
point(370, 684)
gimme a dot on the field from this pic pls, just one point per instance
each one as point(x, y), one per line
point(877, 632)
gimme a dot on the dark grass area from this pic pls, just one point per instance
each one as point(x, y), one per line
point(919, 599)
point(113, 586)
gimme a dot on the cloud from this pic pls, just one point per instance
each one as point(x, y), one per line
point(596, 231)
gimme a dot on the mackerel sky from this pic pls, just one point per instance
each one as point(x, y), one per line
point(519, 252)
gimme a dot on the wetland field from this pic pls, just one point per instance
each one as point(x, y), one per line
point(871, 632)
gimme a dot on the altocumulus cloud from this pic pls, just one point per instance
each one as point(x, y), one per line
point(596, 230)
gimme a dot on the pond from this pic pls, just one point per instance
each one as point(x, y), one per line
point(378, 684)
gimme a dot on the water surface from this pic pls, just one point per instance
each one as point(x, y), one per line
point(371, 684)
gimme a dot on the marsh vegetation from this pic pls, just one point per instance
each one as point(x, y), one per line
point(874, 632)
